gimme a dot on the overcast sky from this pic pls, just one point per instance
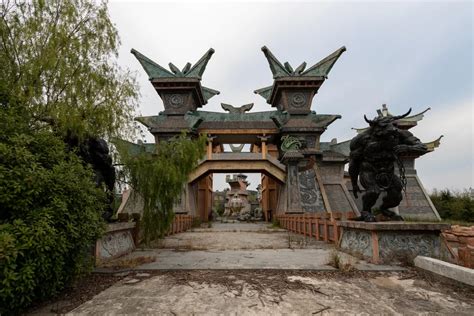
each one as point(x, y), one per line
point(404, 54)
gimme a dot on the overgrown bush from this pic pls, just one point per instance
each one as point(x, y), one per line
point(452, 205)
point(58, 81)
point(50, 216)
point(159, 178)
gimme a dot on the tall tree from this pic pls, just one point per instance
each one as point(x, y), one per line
point(58, 82)
point(57, 65)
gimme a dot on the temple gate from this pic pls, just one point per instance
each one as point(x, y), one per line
point(300, 174)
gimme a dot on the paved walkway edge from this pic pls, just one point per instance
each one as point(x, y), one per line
point(446, 269)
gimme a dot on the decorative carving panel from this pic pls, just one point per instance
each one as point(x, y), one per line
point(357, 242)
point(115, 244)
point(395, 245)
point(311, 198)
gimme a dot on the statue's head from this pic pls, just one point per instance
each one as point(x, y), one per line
point(385, 125)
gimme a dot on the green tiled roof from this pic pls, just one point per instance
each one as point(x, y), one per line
point(248, 116)
point(342, 148)
point(267, 119)
point(279, 70)
point(156, 71)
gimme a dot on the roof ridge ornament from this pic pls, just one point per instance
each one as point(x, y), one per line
point(191, 75)
point(237, 110)
point(154, 70)
point(324, 66)
point(320, 69)
point(311, 78)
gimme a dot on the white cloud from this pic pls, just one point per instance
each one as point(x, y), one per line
point(404, 54)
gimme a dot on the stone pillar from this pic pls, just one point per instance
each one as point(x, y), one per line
point(209, 147)
point(264, 145)
point(291, 158)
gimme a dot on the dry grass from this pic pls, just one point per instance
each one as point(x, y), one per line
point(339, 264)
point(128, 263)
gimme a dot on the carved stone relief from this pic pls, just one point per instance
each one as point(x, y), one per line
point(408, 245)
point(115, 244)
point(311, 198)
point(176, 100)
point(297, 99)
point(357, 242)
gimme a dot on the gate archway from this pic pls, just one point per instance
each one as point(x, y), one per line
point(299, 173)
point(200, 183)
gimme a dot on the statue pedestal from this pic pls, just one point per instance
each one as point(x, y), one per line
point(391, 242)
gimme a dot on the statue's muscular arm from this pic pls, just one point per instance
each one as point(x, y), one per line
point(409, 143)
point(357, 149)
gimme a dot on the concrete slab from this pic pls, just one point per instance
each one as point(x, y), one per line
point(446, 269)
point(277, 293)
point(287, 259)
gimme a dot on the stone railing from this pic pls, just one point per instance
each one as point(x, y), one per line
point(180, 224)
point(459, 244)
point(117, 241)
point(322, 226)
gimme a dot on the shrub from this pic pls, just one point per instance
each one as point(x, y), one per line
point(50, 217)
point(452, 205)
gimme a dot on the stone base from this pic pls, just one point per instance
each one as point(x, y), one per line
point(116, 242)
point(391, 242)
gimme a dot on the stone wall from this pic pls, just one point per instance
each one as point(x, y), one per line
point(391, 242)
point(458, 245)
point(116, 242)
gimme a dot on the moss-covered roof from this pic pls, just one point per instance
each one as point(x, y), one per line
point(158, 72)
point(319, 70)
point(219, 120)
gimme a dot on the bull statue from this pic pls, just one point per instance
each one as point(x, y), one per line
point(373, 156)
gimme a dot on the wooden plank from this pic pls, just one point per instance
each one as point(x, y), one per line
point(317, 228)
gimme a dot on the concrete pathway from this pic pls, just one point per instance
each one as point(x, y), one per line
point(246, 246)
point(277, 293)
point(300, 259)
point(252, 269)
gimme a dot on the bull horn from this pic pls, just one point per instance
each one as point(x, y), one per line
point(398, 117)
point(368, 121)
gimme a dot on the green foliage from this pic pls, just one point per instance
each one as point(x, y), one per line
point(50, 215)
point(56, 65)
point(219, 208)
point(57, 80)
point(160, 177)
point(458, 206)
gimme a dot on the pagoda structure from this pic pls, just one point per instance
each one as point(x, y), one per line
point(299, 173)
point(237, 196)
